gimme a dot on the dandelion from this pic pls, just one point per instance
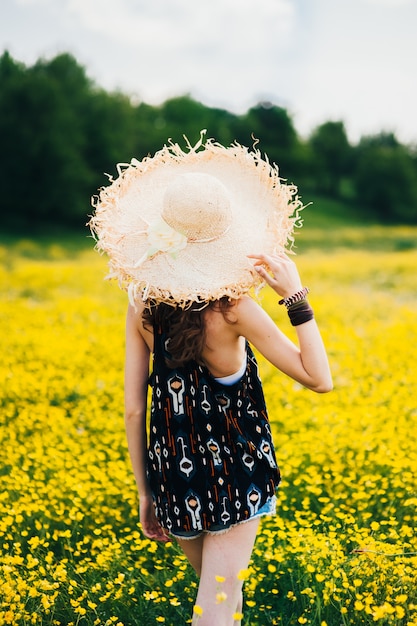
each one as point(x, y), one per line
point(197, 610)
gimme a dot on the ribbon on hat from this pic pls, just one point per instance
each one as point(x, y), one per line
point(162, 238)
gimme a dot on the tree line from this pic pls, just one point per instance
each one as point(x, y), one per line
point(59, 132)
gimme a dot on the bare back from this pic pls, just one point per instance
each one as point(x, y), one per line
point(224, 351)
point(225, 348)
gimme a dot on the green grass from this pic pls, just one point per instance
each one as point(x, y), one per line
point(331, 224)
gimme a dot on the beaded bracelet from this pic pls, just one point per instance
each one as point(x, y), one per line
point(300, 295)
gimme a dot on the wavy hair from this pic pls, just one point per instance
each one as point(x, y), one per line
point(184, 328)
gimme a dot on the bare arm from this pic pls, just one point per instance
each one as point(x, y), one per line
point(306, 363)
point(136, 389)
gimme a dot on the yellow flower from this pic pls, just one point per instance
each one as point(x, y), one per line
point(400, 612)
point(220, 579)
point(237, 616)
point(61, 409)
point(243, 574)
point(221, 597)
point(197, 609)
point(402, 598)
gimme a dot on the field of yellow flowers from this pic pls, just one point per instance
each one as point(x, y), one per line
point(342, 550)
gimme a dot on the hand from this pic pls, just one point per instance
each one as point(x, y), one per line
point(150, 526)
point(279, 271)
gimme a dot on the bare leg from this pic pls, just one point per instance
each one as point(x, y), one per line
point(193, 550)
point(221, 555)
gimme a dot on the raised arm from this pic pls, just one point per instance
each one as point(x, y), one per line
point(306, 363)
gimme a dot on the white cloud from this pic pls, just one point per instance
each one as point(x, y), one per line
point(391, 3)
point(179, 24)
point(209, 48)
point(34, 2)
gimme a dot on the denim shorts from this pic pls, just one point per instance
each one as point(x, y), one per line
point(269, 508)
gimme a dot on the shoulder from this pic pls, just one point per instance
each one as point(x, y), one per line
point(135, 323)
point(238, 319)
point(249, 315)
point(134, 314)
point(234, 310)
point(247, 307)
point(237, 312)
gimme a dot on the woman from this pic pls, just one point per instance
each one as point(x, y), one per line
point(189, 234)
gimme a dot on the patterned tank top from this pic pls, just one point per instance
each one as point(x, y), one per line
point(211, 459)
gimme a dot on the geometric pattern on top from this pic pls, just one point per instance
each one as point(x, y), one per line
point(211, 460)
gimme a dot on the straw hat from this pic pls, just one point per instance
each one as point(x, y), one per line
point(178, 226)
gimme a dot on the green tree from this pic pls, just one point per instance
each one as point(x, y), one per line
point(110, 132)
point(386, 178)
point(184, 116)
point(12, 155)
point(273, 127)
point(43, 175)
point(332, 157)
point(59, 133)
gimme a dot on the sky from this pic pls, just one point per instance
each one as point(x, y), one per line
point(323, 60)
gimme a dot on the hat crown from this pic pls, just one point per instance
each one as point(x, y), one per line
point(198, 206)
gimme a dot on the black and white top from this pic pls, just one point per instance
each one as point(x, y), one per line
point(211, 459)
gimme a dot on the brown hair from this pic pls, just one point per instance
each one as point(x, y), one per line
point(184, 328)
